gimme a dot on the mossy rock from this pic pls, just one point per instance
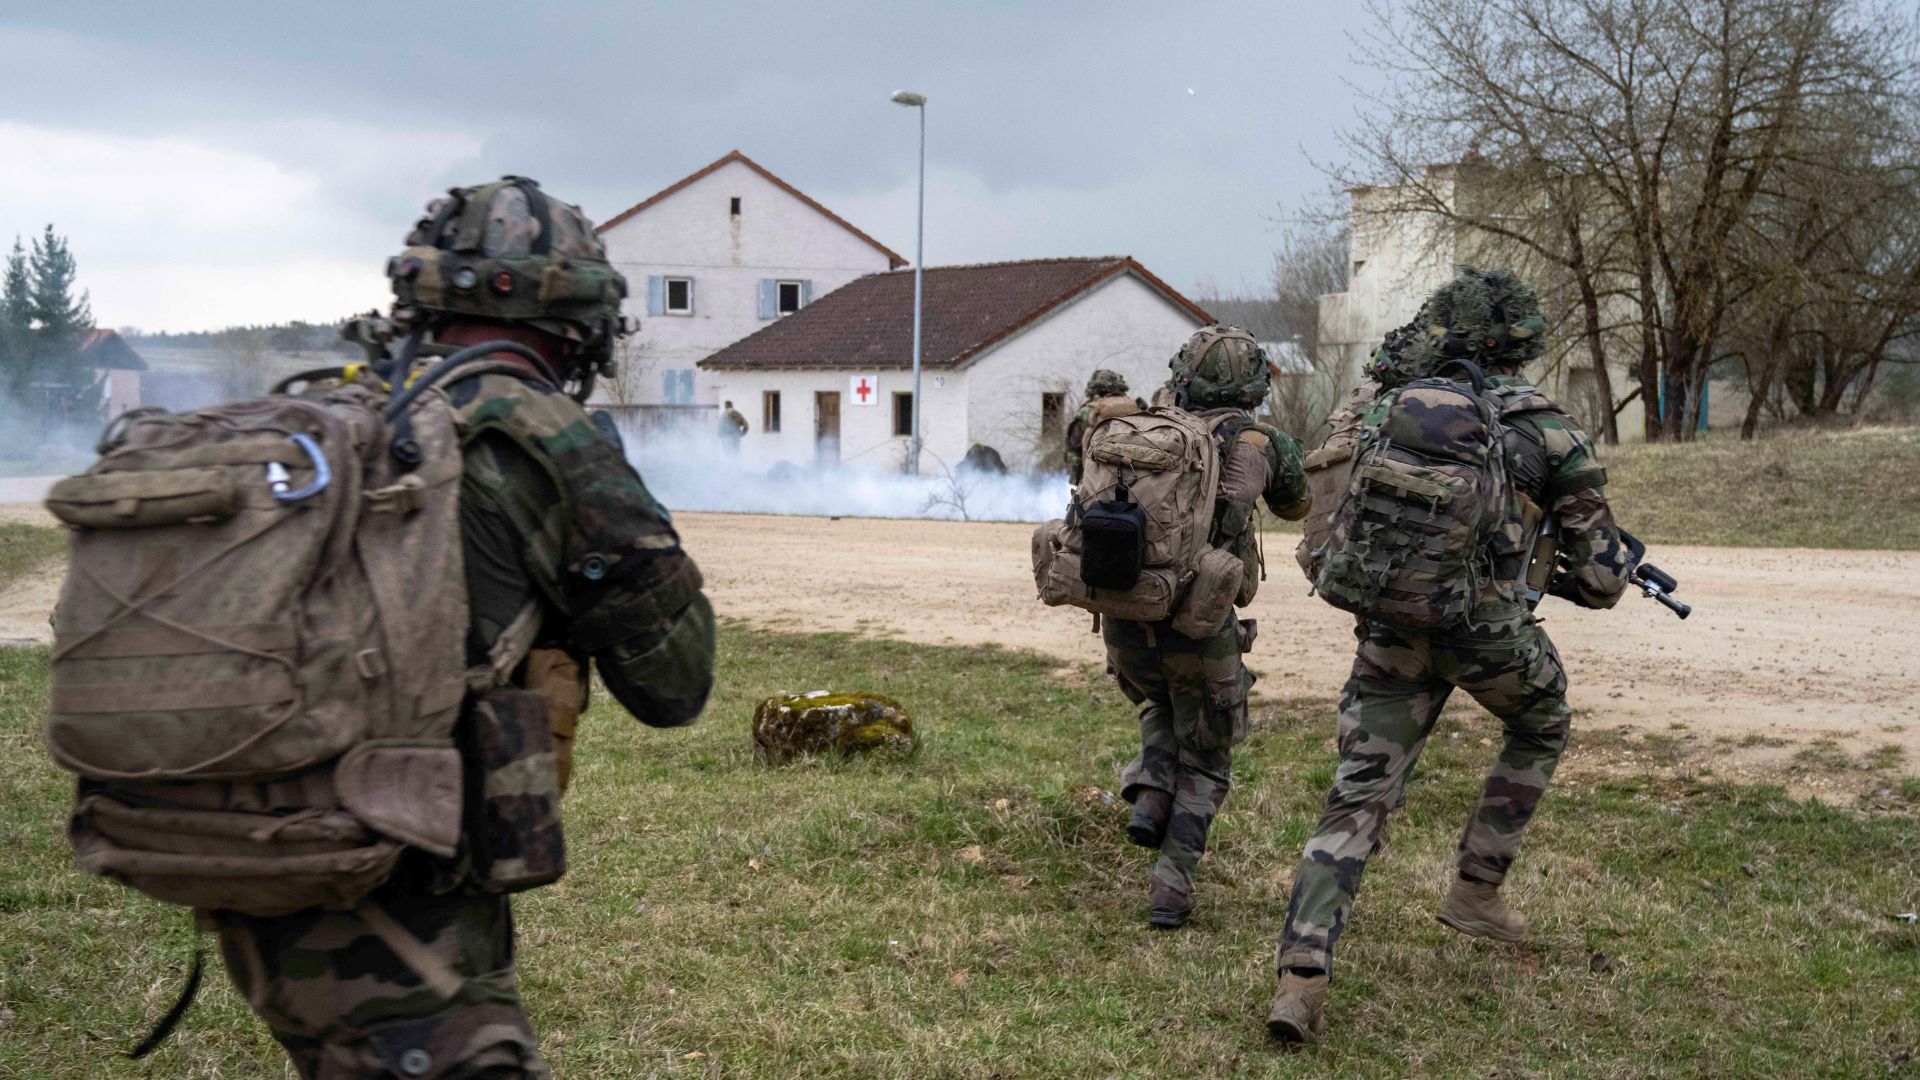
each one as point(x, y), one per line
point(821, 722)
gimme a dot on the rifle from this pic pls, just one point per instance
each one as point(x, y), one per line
point(1652, 581)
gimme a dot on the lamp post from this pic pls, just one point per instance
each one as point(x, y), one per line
point(917, 101)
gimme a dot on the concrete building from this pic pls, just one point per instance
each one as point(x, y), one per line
point(714, 257)
point(1007, 348)
point(1396, 259)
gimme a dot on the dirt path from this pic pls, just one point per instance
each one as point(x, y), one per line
point(1784, 646)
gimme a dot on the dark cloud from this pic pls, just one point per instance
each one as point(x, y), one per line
point(1071, 121)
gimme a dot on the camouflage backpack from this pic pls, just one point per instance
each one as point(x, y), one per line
point(1413, 538)
point(1329, 467)
point(1134, 542)
point(259, 661)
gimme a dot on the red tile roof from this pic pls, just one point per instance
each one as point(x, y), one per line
point(867, 324)
point(893, 259)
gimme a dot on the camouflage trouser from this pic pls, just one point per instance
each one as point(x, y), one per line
point(1399, 683)
point(1193, 710)
point(345, 1004)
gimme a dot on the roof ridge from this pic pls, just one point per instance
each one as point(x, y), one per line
point(894, 258)
point(1047, 261)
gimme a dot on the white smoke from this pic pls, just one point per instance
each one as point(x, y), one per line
point(689, 467)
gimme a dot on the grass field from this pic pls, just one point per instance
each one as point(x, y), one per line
point(974, 911)
point(1818, 489)
point(27, 548)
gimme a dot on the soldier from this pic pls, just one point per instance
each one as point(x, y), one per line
point(422, 983)
point(1193, 692)
point(1401, 679)
point(733, 428)
point(1106, 396)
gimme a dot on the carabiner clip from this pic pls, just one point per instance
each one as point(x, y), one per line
point(322, 472)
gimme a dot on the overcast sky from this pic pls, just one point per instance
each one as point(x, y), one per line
point(216, 163)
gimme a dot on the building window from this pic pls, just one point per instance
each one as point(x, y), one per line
point(790, 298)
point(770, 411)
point(903, 414)
point(733, 206)
point(679, 296)
point(1053, 416)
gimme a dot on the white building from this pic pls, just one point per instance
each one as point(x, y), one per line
point(715, 257)
point(1007, 349)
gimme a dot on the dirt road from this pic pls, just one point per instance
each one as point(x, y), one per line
point(1783, 644)
point(1787, 645)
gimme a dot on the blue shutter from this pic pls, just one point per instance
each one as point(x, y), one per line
point(656, 295)
point(768, 292)
point(667, 383)
point(686, 386)
point(806, 292)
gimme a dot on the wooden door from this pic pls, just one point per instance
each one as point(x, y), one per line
point(826, 427)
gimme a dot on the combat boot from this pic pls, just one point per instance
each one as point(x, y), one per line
point(1299, 1008)
point(1151, 809)
point(1475, 907)
point(1168, 906)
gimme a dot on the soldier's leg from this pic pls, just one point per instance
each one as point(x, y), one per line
point(1208, 688)
point(334, 989)
point(1514, 672)
point(1133, 659)
point(1387, 710)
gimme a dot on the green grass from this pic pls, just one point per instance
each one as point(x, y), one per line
point(974, 910)
point(1816, 489)
point(24, 548)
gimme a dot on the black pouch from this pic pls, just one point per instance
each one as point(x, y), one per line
point(1113, 541)
point(513, 833)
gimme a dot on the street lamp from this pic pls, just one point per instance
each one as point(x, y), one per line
point(917, 101)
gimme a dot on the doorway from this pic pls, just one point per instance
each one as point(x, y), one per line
point(826, 427)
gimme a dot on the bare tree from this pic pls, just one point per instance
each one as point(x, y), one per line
point(1638, 158)
point(633, 361)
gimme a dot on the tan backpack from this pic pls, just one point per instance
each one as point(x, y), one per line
point(1134, 542)
point(1329, 467)
point(259, 655)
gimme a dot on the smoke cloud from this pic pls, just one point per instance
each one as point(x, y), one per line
point(689, 467)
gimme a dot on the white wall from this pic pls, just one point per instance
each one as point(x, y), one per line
point(866, 432)
point(1123, 324)
point(691, 234)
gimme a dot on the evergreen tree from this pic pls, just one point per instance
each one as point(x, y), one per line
point(16, 325)
point(62, 325)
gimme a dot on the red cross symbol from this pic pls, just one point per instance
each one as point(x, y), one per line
point(863, 390)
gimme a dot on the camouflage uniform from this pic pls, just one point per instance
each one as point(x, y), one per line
point(420, 981)
point(1402, 679)
point(733, 428)
point(1192, 693)
point(1106, 395)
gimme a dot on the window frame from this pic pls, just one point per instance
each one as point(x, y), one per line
point(799, 296)
point(770, 412)
point(903, 420)
point(1054, 426)
point(666, 296)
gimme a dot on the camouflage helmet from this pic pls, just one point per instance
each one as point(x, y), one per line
point(1219, 367)
point(1104, 383)
point(505, 250)
point(1490, 317)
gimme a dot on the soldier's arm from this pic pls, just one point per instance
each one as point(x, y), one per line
point(612, 570)
point(1594, 562)
point(1285, 489)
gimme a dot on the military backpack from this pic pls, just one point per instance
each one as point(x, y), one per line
point(1426, 508)
point(259, 663)
point(1134, 543)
